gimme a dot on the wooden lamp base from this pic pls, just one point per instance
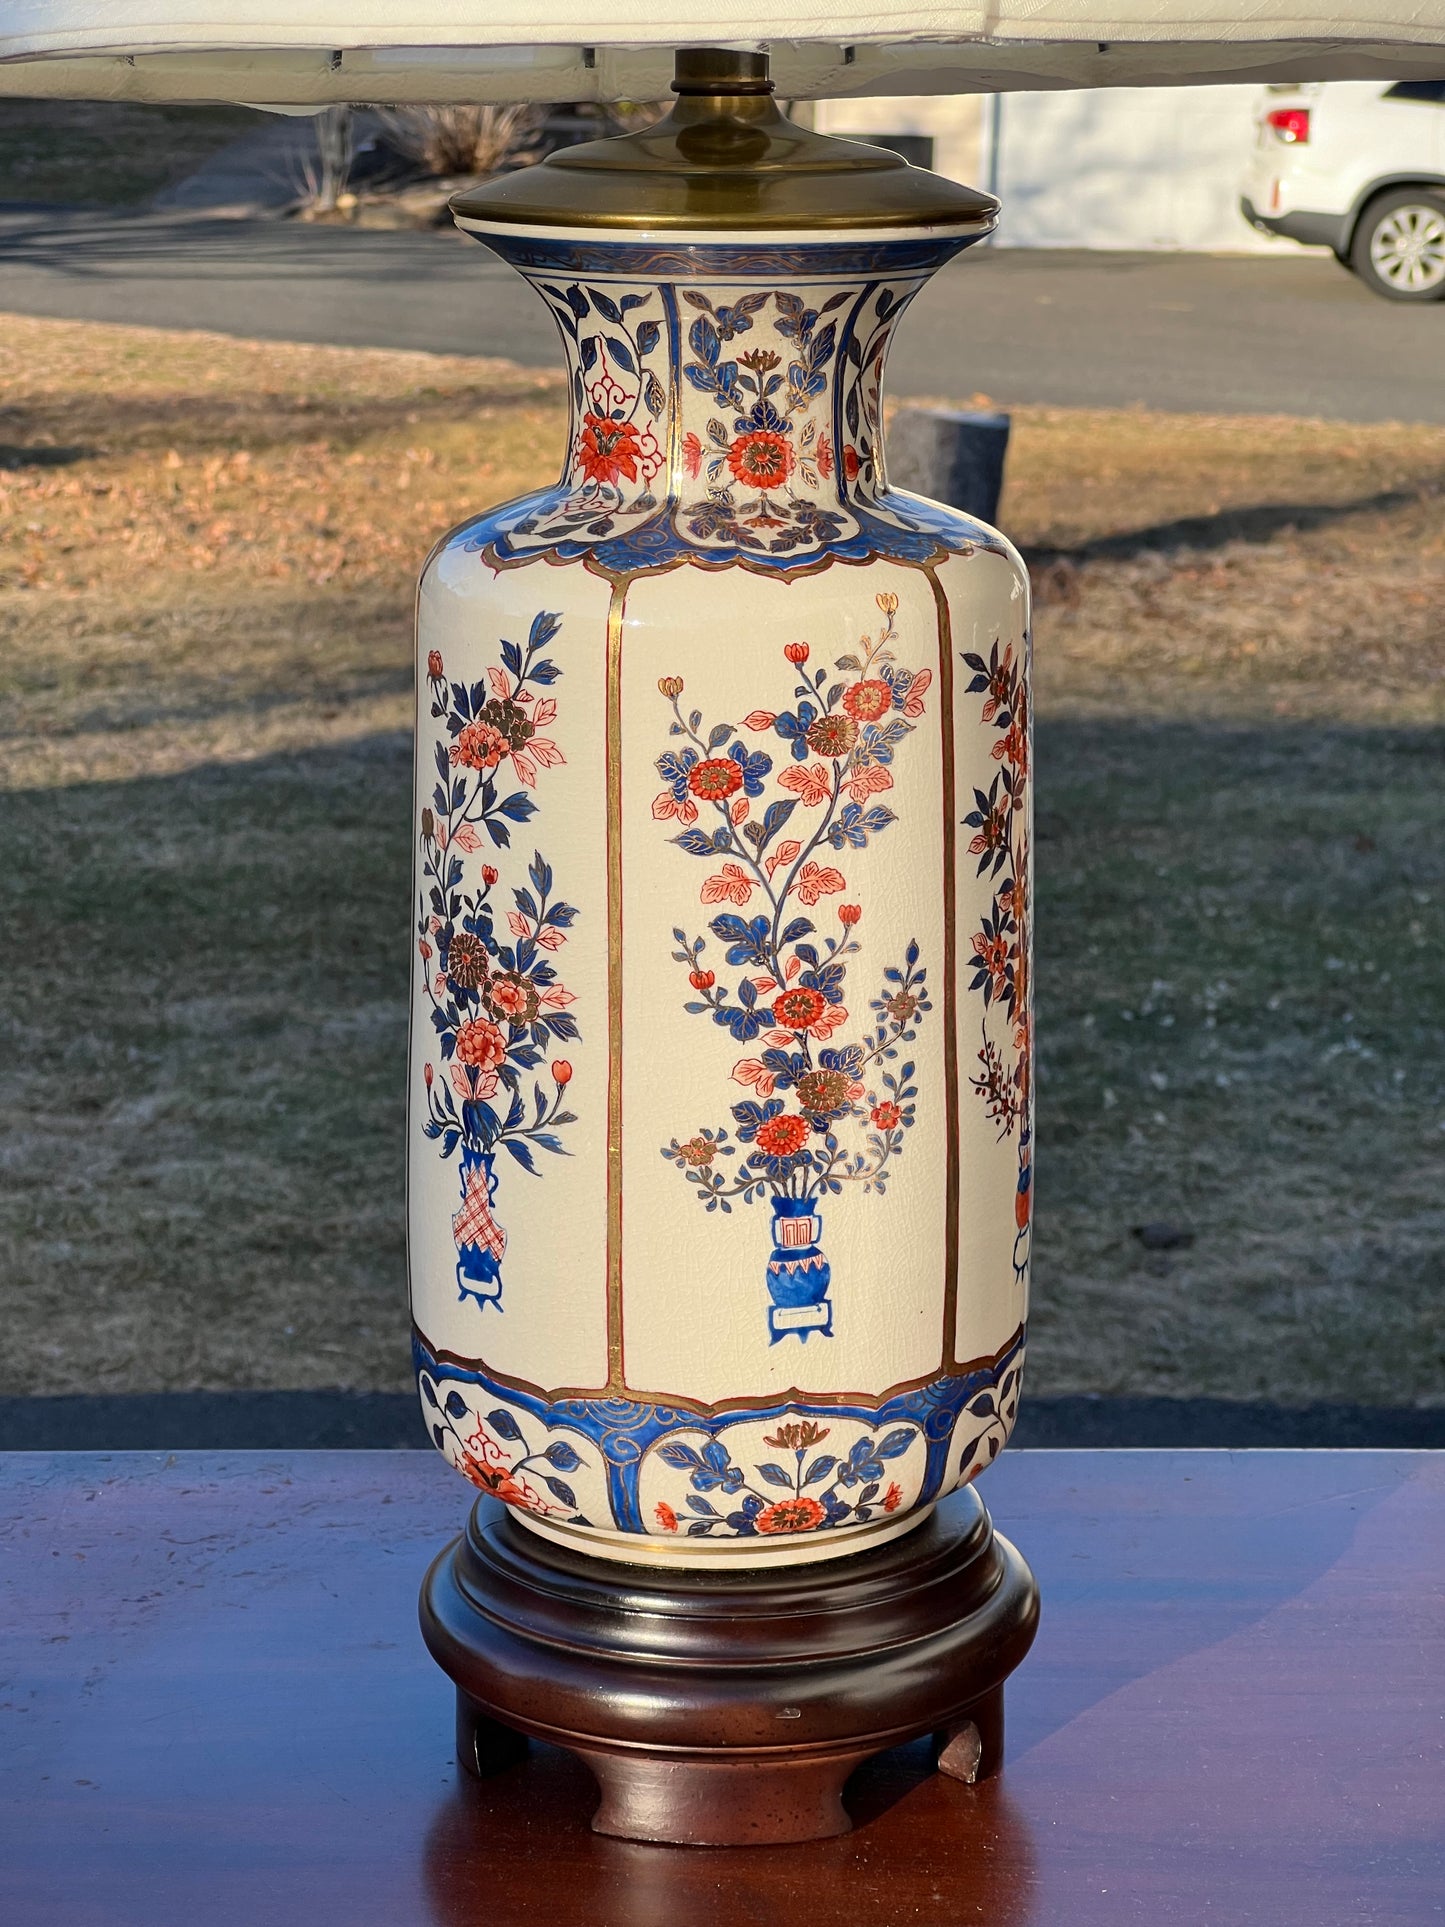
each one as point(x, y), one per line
point(728, 1709)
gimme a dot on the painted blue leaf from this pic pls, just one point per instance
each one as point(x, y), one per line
point(520, 1152)
point(819, 1469)
point(696, 843)
point(605, 305)
point(561, 1490)
point(621, 354)
point(775, 1475)
point(562, 1456)
point(894, 1444)
point(701, 1506)
point(505, 1426)
point(744, 1024)
point(456, 1405)
point(776, 816)
point(648, 334)
point(678, 1455)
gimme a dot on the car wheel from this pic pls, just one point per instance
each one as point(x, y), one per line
point(1399, 245)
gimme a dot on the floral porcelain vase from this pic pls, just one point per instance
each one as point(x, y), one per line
point(721, 1104)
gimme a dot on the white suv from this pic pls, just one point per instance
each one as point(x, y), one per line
point(1360, 168)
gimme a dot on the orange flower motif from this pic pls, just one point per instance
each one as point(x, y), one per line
point(665, 1516)
point(762, 459)
point(893, 1497)
point(479, 746)
point(1013, 747)
point(867, 701)
point(481, 1043)
point(607, 450)
point(791, 1515)
point(886, 1115)
point(796, 653)
point(691, 453)
point(832, 735)
point(715, 779)
point(799, 1007)
point(811, 781)
point(780, 1137)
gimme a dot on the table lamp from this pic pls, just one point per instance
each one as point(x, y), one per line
point(721, 1096)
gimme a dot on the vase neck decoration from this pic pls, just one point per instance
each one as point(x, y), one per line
point(725, 387)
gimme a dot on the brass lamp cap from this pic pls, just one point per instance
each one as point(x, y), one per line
point(725, 158)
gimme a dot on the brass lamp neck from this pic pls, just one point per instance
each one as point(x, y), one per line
point(725, 71)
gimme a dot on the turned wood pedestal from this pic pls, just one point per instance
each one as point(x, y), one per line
point(728, 1709)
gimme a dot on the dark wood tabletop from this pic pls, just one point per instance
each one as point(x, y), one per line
point(215, 1709)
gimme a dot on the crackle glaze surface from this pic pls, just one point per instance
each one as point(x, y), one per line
point(721, 1109)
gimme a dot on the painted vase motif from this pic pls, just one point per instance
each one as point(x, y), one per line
point(721, 1119)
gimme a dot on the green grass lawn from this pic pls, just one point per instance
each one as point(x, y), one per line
point(204, 687)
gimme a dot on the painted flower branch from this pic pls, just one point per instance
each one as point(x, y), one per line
point(482, 1455)
point(809, 1490)
point(1001, 949)
point(842, 737)
point(496, 1002)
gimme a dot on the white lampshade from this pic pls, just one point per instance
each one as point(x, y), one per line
point(438, 50)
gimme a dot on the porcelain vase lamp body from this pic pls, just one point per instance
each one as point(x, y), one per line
point(720, 1100)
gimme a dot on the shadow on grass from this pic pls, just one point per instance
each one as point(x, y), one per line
point(1258, 523)
point(14, 455)
point(259, 421)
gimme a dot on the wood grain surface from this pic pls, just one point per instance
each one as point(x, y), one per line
point(215, 1708)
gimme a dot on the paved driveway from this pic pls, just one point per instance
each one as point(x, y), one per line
point(1231, 334)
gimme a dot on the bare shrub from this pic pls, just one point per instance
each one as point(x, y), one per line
point(322, 176)
point(464, 140)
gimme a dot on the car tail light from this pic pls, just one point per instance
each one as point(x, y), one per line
point(1290, 124)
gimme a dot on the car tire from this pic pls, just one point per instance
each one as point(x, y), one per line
point(1398, 249)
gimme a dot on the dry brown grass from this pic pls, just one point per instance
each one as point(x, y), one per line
point(107, 153)
point(206, 556)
